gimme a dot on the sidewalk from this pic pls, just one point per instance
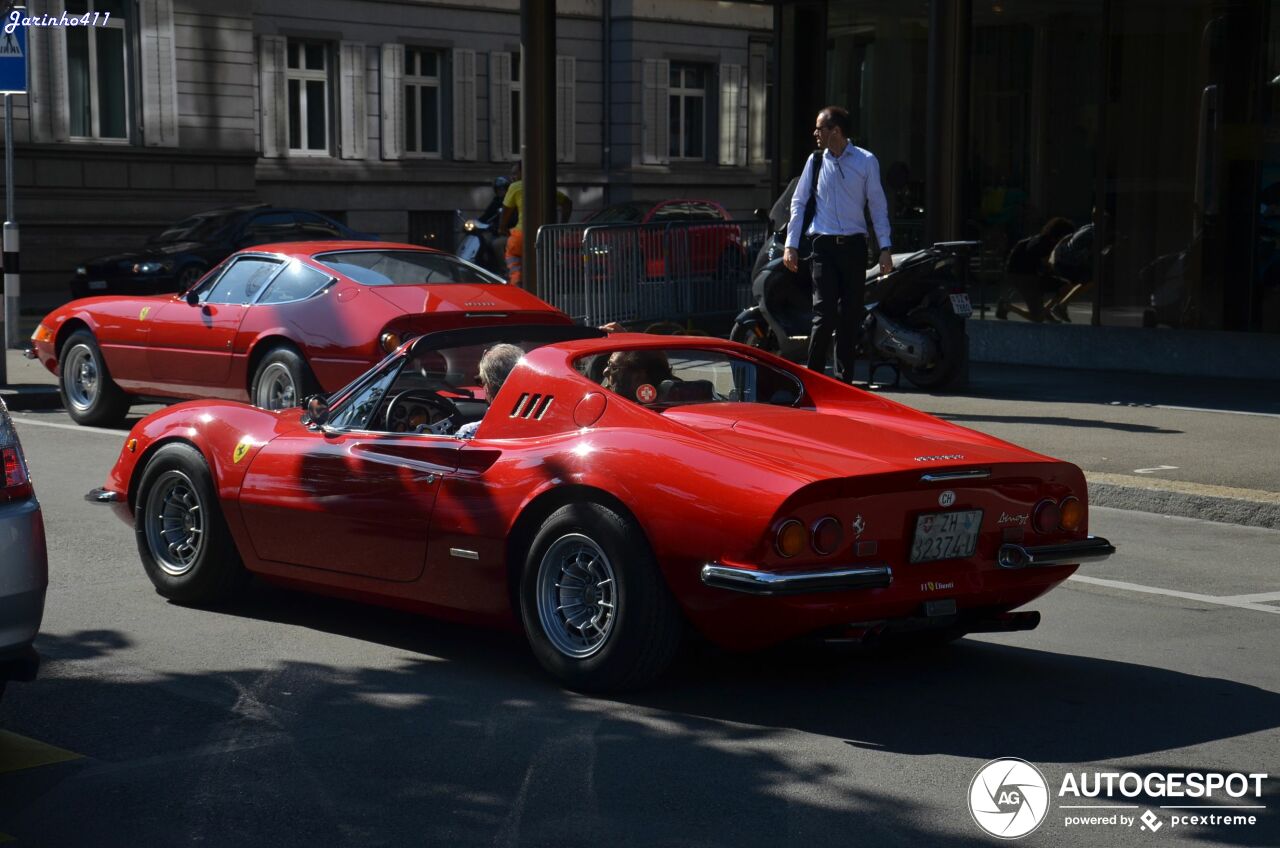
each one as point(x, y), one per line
point(1198, 447)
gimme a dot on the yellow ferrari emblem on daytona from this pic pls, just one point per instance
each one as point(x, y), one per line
point(142, 316)
point(241, 450)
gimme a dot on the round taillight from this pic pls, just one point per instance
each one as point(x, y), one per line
point(1047, 517)
point(827, 535)
point(791, 538)
point(1072, 514)
point(389, 341)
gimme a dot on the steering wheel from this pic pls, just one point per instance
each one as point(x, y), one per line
point(401, 415)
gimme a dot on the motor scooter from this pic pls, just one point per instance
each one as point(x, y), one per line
point(480, 242)
point(915, 321)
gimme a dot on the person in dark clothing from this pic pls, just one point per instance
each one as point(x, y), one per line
point(1027, 271)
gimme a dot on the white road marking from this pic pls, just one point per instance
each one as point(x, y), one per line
point(1216, 600)
point(75, 428)
point(1154, 470)
point(1224, 411)
point(1260, 598)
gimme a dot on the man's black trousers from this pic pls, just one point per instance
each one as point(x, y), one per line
point(839, 270)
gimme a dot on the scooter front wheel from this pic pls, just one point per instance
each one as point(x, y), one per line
point(952, 349)
point(754, 335)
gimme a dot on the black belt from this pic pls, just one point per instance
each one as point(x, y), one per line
point(833, 239)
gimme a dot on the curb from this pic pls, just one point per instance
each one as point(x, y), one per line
point(29, 397)
point(1223, 504)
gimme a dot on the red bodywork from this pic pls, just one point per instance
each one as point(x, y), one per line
point(164, 347)
point(378, 516)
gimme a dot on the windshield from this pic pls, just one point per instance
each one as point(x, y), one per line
point(662, 377)
point(196, 228)
point(404, 268)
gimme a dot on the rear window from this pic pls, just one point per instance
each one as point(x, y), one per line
point(404, 268)
point(660, 377)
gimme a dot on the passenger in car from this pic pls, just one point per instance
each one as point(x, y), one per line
point(628, 372)
point(495, 367)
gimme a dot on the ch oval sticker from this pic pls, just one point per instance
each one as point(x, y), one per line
point(947, 498)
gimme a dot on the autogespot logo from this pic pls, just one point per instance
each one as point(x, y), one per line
point(1008, 798)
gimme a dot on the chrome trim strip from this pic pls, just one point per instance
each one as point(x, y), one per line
point(462, 553)
point(752, 582)
point(941, 476)
point(1092, 549)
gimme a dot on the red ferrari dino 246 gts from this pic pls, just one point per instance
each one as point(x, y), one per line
point(617, 487)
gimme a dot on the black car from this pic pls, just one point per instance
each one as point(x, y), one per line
point(175, 258)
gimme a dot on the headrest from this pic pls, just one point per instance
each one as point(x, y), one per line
point(686, 391)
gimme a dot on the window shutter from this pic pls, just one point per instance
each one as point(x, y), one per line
point(731, 123)
point(655, 130)
point(757, 119)
point(353, 138)
point(464, 105)
point(566, 108)
point(500, 143)
point(159, 69)
point(273, 96)
point(392, 101)
point(47, 88)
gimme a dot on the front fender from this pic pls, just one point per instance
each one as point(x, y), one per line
point(215, 428)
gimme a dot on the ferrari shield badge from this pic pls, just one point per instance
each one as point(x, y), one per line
point(142, 316)
point(241, 449)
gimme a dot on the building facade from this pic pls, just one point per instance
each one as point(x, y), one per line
point(389, 116)
point(1155, 121)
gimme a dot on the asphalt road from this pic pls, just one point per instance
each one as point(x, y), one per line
point(295, 720)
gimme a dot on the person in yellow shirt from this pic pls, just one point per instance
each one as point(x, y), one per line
point(513, 217)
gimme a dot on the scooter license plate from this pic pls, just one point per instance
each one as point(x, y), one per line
point(960, 305)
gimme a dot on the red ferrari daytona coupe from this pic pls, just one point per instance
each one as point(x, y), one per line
point(271, 324)
point(616, 488)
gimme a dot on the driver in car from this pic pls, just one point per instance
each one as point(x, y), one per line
point(495, 367)
point(636, 374)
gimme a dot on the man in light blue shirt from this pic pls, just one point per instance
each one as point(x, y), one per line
point(848, 179)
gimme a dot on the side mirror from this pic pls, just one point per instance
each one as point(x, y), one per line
point(192, 297)
point(316, 411)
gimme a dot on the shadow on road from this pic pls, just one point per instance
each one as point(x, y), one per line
point(464, 741)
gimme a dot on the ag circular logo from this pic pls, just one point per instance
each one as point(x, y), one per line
point(1008, 798)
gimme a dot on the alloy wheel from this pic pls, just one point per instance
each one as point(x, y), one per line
point(577, 596)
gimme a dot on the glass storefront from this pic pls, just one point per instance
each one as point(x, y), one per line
point(1123, 156)
point(877, 58)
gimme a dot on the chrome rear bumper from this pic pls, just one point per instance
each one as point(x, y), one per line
point(1092, 549)
point(737, 579)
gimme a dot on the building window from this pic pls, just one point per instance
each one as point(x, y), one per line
point(97, 69)
point(422, 101)
point(688, 99)
point(307, 73)
point(516, 88)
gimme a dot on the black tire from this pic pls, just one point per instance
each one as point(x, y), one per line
point(89, 395)
point(640, 634)
point(282, 379)
point(747, 334)
point(188, 276)
point(953, 348)
point(206, 568)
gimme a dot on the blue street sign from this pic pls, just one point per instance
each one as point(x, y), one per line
point(13, 60)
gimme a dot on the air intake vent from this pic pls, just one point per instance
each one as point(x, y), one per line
point(532, 406)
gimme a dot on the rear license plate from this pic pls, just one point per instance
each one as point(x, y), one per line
point(97, 285)
point(960, 305)
point(946, 535)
